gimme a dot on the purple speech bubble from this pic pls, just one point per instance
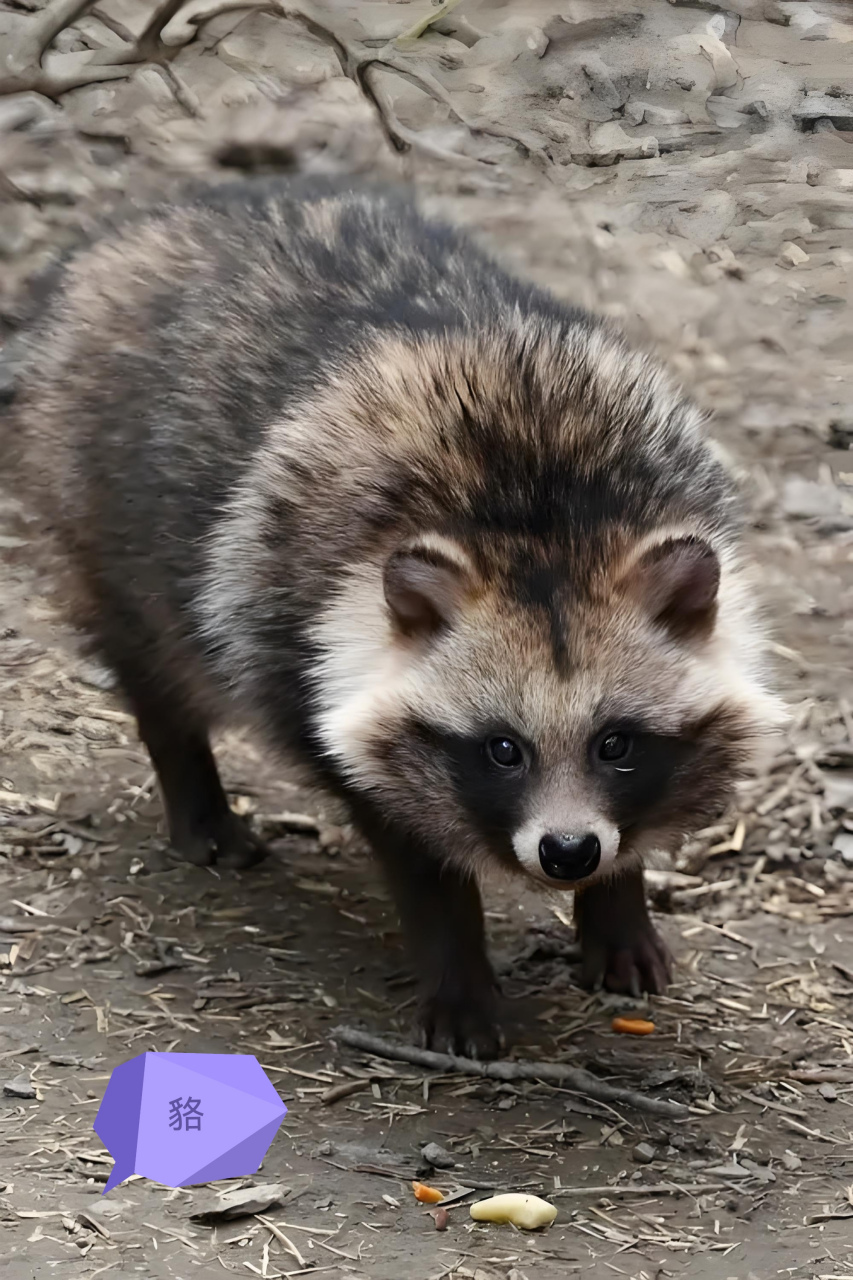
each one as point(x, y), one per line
point(184, 1118)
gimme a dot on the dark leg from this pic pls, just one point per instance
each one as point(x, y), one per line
point(201, 825)
point(619, 944)
point(442, 918)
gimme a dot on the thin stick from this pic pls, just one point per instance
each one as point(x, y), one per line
point(337, 1091)
point(658, 1189)
point(551, 1072)
point(282, 1238)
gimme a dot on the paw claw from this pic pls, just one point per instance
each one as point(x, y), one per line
point(464, 1027)
point(634, 966)
point(229, 843)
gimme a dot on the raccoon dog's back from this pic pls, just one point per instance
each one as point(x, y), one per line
point(241, 404)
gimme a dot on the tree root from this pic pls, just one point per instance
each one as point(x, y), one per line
point(22, 68)
point(575, 1078)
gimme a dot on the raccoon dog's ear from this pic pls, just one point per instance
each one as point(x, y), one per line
point(426, 583)
point(677, 582)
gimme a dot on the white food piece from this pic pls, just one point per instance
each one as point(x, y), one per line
point(528, 1212)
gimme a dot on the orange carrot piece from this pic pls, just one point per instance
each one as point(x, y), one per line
point(425, 1194)
point(633, 1026)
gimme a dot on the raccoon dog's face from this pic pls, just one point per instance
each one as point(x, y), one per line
point(500, 699)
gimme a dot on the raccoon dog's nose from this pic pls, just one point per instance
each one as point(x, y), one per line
point(569, 857)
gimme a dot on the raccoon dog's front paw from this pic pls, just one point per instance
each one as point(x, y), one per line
point(224, 840)
point(462, 1020)
point(633, 964)
point(620, 947)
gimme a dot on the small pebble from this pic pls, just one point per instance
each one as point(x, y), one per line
point(441, 1217)
point(20, 1087)
point(644, 1153)
point(791, 1161)
point(437, 1156)
point(843, 844)
point(827, 1092)
point(792, 255)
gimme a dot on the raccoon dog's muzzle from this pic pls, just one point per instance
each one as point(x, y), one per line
point(572, 858)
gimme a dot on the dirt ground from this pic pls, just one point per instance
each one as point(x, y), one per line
point(688, 170)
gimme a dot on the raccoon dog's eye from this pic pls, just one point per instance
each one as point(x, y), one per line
point(614, 747)
point(505, 753)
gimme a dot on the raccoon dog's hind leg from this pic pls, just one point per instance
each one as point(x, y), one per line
point(202, 827)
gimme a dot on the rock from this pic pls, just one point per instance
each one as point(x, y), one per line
point(96, 676)
point(835, 179)
point(638, 112)
point(808, 24)
point(792, 255)
point(843, 845)
point(240, 1204)
point(609, 143)
point(828, 1093)
point(665, 115)
point(644, 1153)
point(20, 1087)
point(838, 109)
point(101, 1207)
point(609, 90)
point(634, 113)
point(437, 1156)
point(841, 434)
point(726, 114)
point(791, 1161)
point(65, 1059)
point(709, 44)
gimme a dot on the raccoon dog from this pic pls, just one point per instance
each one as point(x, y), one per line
point(312, 456)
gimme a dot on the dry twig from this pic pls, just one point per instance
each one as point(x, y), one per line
point(550, 1072)
point(22, 68)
